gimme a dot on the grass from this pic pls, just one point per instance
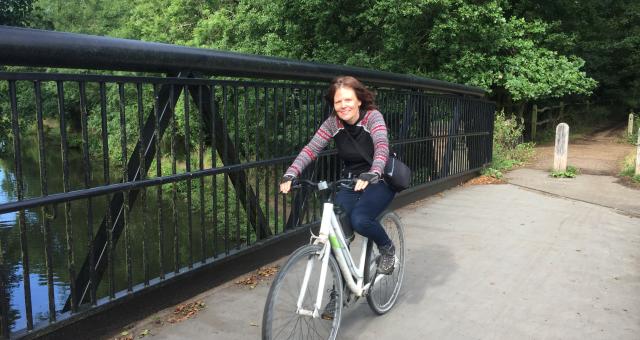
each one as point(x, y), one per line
point(571, 172)
point(629, 168)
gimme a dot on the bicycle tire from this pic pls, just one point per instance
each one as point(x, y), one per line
point(385, 291)
point(280, 320)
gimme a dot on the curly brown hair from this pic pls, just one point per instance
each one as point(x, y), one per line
point(366, 96)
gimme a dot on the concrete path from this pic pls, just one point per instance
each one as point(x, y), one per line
point(483, 262)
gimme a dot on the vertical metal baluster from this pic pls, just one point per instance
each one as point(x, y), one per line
point(283, 147)
point(24, 246)
point(67, 205)
point(431, 117)
point(435, 128)
point(277, 146)
point(125, 179)
point(225, 159)
point(315, 127)
point(425, 135)
point(323, 159)
point(203, 248)
point(247, 188)
point(156, 112)
point(257, 157)
point(443, 137)
point(266, 156)
point(107, 181)
point(87, 184)
point(431, 110)
point(174, 185)
point(237, 192)
point(142, 176)
point(46, 227)
point(214, 184)
point(454, 136)
point(187, 152)
point(306, 138)
point(418, 133)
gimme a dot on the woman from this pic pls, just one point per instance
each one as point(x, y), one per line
point(355, 119)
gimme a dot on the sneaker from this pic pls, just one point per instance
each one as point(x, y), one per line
point(330, 309)
point(387, 259)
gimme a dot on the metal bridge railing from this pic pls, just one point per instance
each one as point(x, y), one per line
point(115, 183)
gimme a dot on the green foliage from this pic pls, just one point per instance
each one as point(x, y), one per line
point(629, 168)
point(455, 40)
point(16, 12)
point(606, 34)
point(508, 149)
point(571, 172)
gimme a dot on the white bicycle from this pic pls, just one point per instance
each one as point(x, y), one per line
point(316, 273)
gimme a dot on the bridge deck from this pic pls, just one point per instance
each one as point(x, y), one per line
point(483, 262)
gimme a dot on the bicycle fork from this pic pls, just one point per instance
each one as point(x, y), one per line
point(315, 313)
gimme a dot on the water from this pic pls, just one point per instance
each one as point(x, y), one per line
point(79, 212)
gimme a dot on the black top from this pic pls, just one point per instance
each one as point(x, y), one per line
point(354, 163)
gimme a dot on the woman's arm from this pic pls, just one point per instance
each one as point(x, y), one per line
point(374, 122)
point(311, 150)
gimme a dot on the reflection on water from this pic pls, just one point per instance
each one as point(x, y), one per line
point(6, 220)
point(39, 297)
point(83, 231)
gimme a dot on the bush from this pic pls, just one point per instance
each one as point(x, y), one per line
point(571, 172)
point(629, 168)
point(508, 149)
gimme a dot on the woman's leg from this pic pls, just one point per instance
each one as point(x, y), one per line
point(371, 203)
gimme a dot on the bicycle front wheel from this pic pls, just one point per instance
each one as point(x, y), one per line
point(282, 319)
point(384, 293)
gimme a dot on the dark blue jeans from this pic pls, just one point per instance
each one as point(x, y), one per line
point(363, 207)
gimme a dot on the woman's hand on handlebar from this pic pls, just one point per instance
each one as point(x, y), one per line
point(285, 183)
point(364, 179)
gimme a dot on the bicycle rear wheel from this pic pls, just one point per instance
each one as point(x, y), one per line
point(280, 319)
point(387, 287)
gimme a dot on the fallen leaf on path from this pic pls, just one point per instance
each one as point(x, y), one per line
point(186, 311)
point(484, 180)
point(261, 274)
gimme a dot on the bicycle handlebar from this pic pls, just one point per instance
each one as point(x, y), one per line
point(322, 185)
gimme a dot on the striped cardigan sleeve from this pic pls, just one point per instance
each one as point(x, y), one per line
point(311, 150)
point(374, 123)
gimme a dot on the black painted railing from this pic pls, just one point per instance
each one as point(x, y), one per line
point(113, 182)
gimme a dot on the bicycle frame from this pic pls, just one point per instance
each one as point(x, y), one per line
point(332, 239)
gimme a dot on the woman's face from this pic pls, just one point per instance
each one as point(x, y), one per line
point(347, 105)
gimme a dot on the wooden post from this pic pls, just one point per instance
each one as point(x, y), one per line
point(534, 122)
point(630, 126)
point(638, 155)
point(562, 146)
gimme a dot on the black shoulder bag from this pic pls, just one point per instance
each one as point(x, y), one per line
point(396, 173)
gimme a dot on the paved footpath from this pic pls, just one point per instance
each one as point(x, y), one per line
point(509, 261)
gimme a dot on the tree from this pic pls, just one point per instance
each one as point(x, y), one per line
point(606, 34)
point(16, 12)
point(455, 40)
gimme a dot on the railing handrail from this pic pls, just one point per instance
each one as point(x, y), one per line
point(26, 47)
